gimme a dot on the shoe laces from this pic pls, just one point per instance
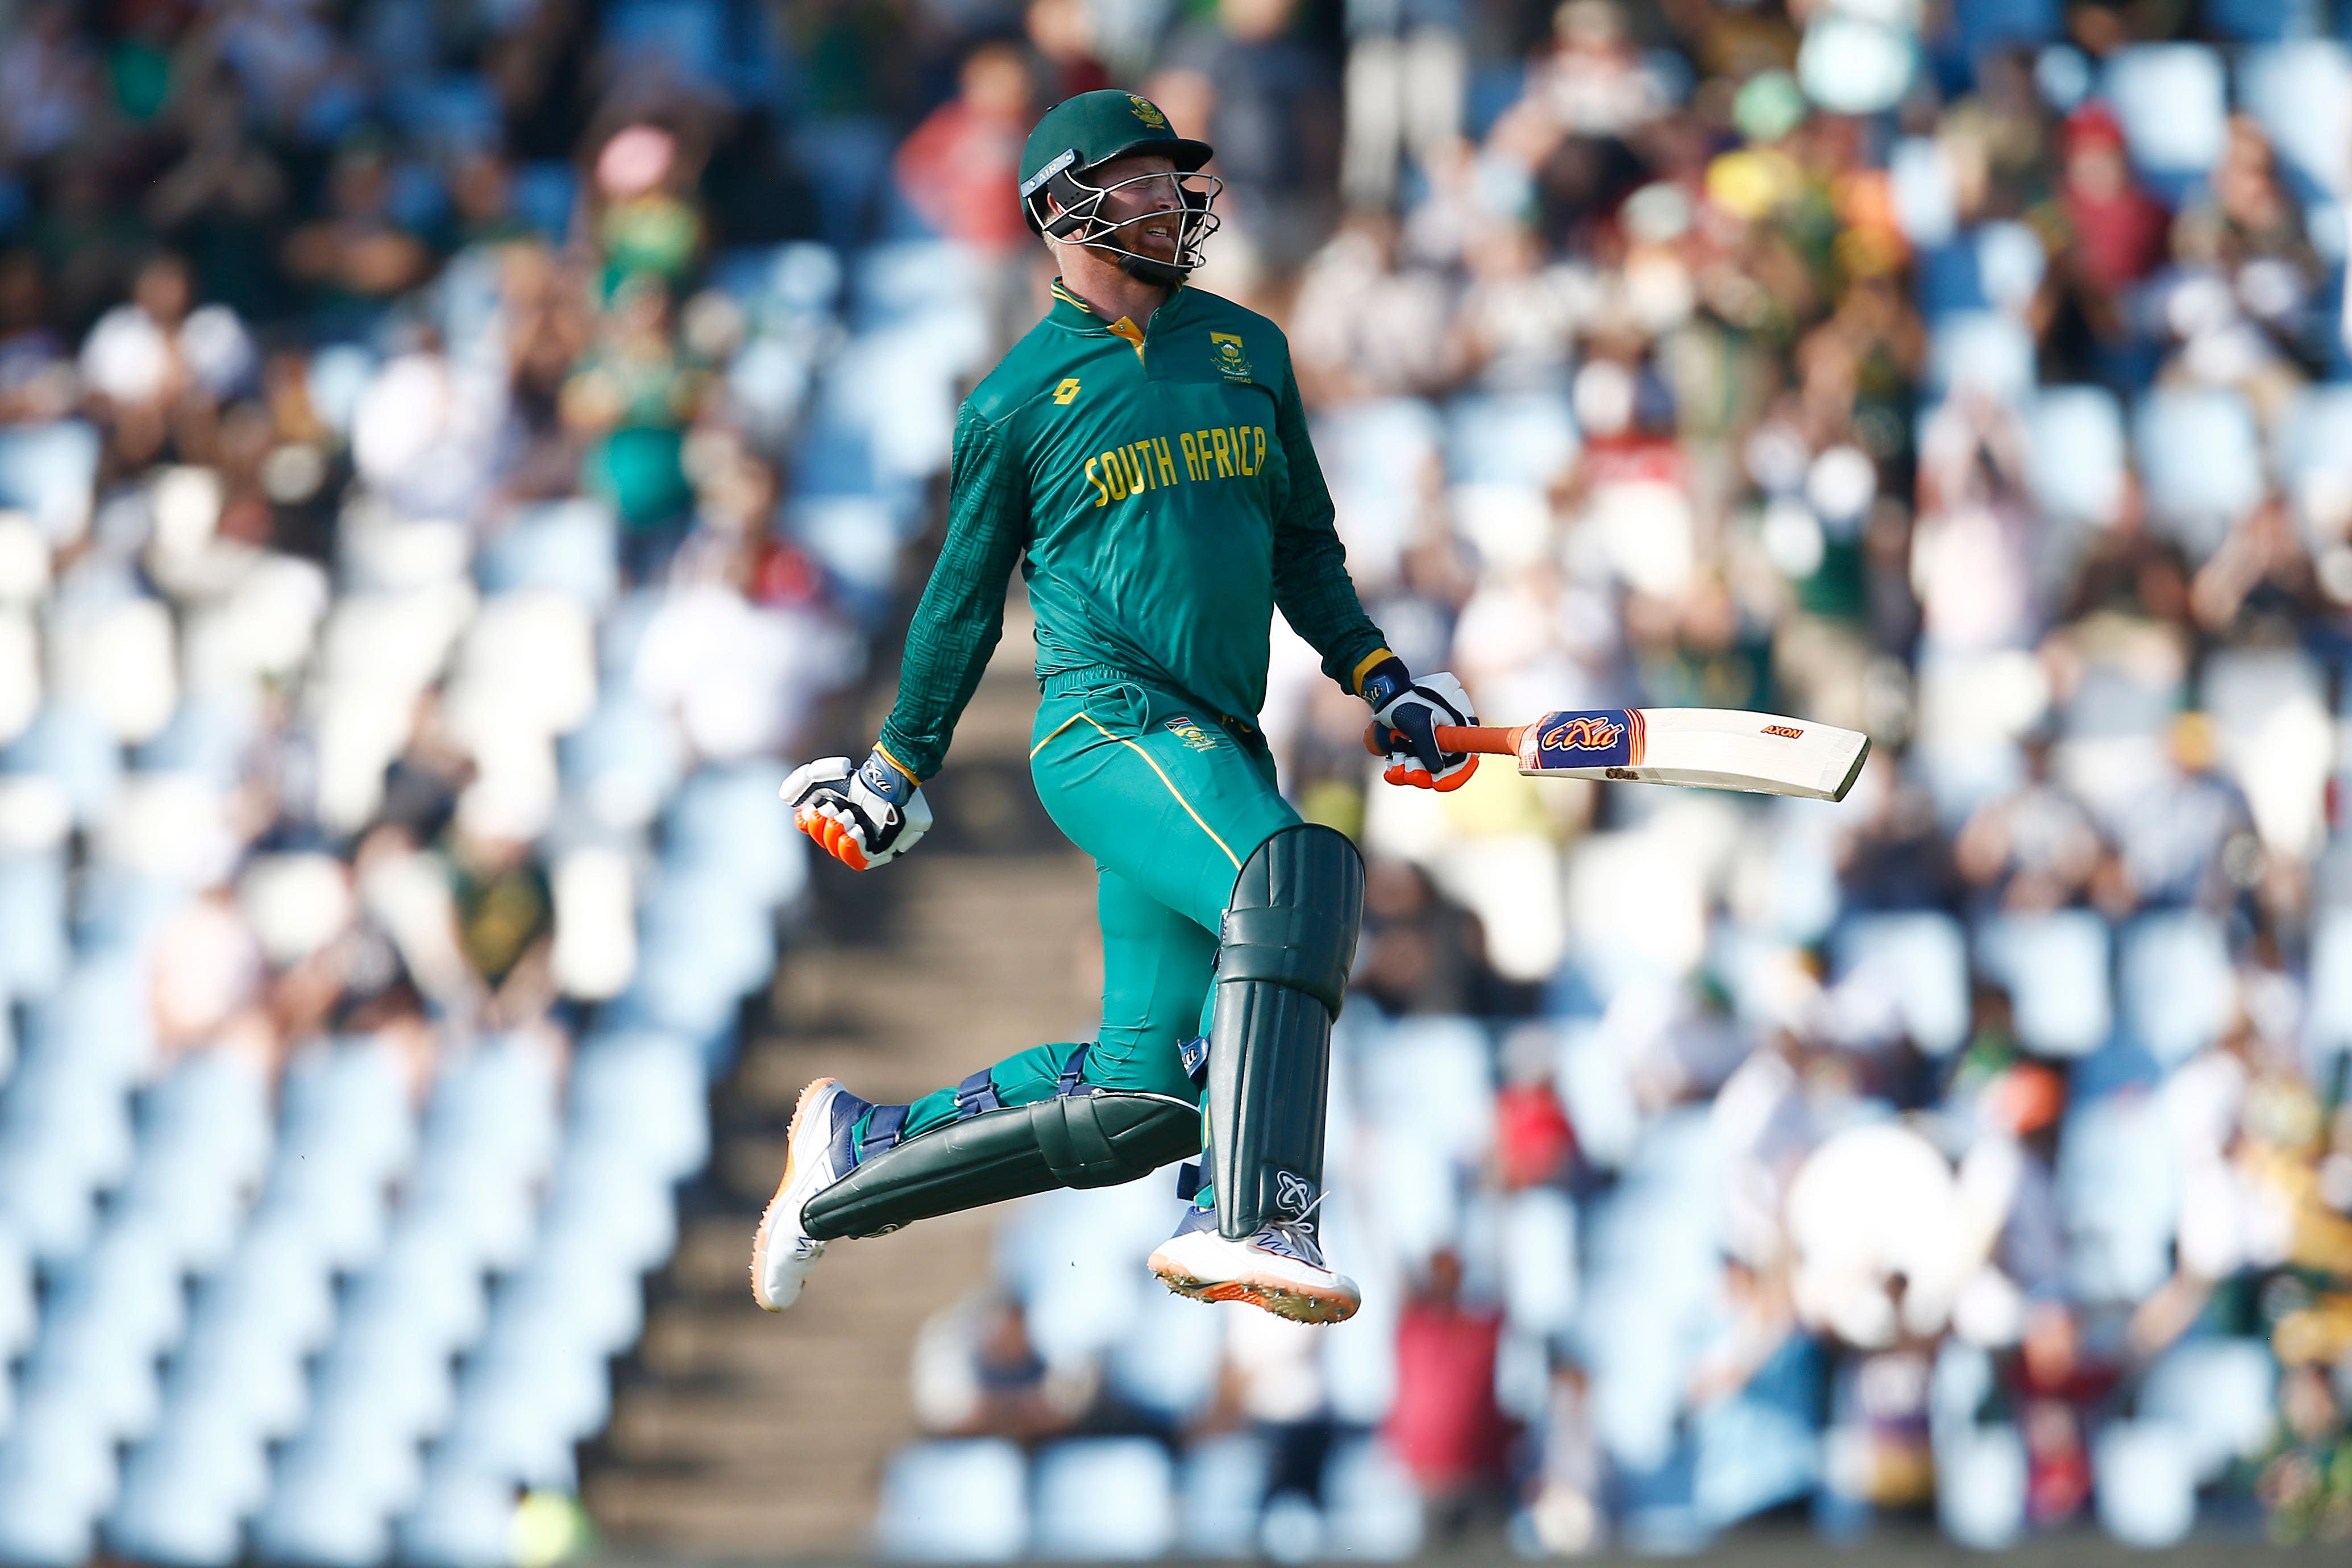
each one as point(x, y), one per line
point(1297, 1237)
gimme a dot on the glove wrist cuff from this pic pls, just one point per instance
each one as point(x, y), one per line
point(1384, 682)
point(882, 774)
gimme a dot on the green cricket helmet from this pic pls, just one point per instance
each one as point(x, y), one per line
point(1077, 137)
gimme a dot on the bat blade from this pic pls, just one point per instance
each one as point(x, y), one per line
point(1702, 749)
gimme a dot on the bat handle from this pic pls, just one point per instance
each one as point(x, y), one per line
point(1488, 739)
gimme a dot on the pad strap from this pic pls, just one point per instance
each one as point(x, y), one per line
point(1073, 1073)
point(881, 1130)
point(975, 1094)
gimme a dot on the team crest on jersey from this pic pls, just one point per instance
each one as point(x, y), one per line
point(1226, 349)
point(1586, 732)
point(1148, 112)
point(1186, 729)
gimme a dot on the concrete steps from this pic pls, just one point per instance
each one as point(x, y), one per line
point(736, 1433)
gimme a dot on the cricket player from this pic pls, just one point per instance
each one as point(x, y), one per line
point(1143, 456)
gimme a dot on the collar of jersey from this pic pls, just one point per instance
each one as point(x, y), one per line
point(1077, 315)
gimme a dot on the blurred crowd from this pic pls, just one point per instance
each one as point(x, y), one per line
point(1977, 1151)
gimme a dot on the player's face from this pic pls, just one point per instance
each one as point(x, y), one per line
point(1144, 202)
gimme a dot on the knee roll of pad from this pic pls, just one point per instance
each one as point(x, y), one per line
point(1282, 972)
point(1293, 916)
point(1097, 1139)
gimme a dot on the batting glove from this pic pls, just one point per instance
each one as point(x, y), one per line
point(862, 817)
point(1408, 713)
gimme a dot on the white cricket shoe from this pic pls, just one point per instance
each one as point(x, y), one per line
point(815, 1149)
point(1280, 1268)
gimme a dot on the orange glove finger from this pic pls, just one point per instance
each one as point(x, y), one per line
point(1455, 780)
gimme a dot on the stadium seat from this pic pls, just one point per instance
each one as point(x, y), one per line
point(2299, 93)
point(2145, 1483)
point(1170, 1359)
point(1981, 1485)
point(2119, 1197)
point(2172, 102)
point(1525, 438)
point(642, 1098)
point(2313, 451)
point(57, 1477)
point(2328, 1028)
point(1372, 1508)
point(957, 1502)
point(462, 1520)
point(2201, 461)
point(49, 470)
point(1539, 1252)
point(2177, 983)
point(1919, 959)
point(2218, 1392)
point(2262, 21)
point(2055, 969)
point(1104, 1500)
point(34, 955)
point(186, 1492)
point(2075, 453)
point(1222, 1485)
point(1982, 352)
point(1432, 1080)
point(563, 547)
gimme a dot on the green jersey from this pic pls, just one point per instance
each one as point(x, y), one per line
point(1159, 493)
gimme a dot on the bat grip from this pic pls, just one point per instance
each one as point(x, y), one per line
point(1488, 739)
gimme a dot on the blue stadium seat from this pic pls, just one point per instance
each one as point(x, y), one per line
point(2177, 984)
point(1170, 1359)
point(1518, 438)
point(2262, 21)
point(2075, 454)
point(2328, 1028)
point(1919, 957)
point(463, 1520)
point(1104, 1500)
point(1371, 1507)
point(2219, 1393)
point(1432, 1080)
point(633, 1219)
point(2172, 101)
point(2056, 967)
point(2298, 92)
point(1981, 1485)
point(2145, 1483)
point(624, 761)
point(187, 1491)
point(642, 1098)
point(568, 546)
point(1980, 351)
point(2119, 1197)
point(66, 744)
point(723, 823)
point(2201, 461)
point(960, 1501)
point(34, 953)
point(56, 1476)
point(49, 470)
point(1539, 1252)
point(1222, 1483)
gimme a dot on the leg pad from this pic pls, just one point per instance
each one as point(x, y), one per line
point(1097, 1139)
point(1282, 972)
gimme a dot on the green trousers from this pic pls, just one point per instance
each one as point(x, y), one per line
point(1170, 803)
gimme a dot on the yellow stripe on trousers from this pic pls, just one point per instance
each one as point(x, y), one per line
point(1156, 768)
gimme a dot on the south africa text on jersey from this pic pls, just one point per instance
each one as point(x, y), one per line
point(1195, 456)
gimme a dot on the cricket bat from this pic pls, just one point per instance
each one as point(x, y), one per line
point(1696, 748)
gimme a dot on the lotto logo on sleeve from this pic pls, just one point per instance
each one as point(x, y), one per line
point(1605, 738)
